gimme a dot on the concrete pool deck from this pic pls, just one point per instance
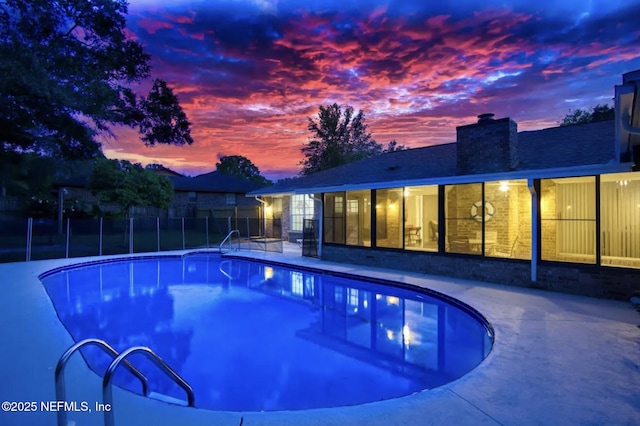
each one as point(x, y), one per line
point(557, 359)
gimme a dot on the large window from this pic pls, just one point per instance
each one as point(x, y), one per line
point(568, 219)
point(334, 218)
point(508, 229)
point(301, 208)
point(389, 226)
point(359, 218)
point(464, 213)
point(421, 218)
point(620, 219)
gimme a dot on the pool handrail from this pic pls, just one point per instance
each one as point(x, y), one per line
point(62, 362)
point(107, 394)
point(228, 238)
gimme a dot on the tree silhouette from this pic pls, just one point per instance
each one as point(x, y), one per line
point(68, 73)
point(339, 137)
point(241, 167)
point(580, 116)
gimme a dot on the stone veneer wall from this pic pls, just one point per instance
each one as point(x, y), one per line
point(587, 280)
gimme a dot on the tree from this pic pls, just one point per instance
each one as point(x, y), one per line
point(161, 169)
point(393, 147)
point(68, 73)
point(241, 167)
point(597, 113)
point(126, 185)
point(339, 138)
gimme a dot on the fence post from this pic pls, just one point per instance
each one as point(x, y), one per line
point(29, 236)
point(66, 252)
point(228, 224)
point(130, 235)
point(248, 230)
point(158, 231)
point(206, 228)
point(100, 238)
point(183, 233)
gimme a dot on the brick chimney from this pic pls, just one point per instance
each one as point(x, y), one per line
point(488, 146)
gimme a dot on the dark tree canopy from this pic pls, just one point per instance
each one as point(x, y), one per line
point(241, 167)
point(127, 184)
point(68, 73)
point(339, 137)
point(580, 116)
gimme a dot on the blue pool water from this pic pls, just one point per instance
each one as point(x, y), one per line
point(251, 336)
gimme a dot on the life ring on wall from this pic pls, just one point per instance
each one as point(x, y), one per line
point(489, 209)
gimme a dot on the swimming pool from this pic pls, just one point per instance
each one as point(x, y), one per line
point(251, 336)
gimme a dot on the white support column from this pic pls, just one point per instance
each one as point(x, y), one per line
point(534, 231)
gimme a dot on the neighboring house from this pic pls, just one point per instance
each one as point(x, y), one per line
point(211, 194)
point(556, 208)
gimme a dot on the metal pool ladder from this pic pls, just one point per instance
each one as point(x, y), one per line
point(228, 239)
point(117, 359)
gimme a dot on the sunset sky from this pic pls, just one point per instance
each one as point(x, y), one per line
point(249, 73)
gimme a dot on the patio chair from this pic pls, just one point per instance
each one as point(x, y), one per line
point(433, 230)
point(507, 251)
point(459, 244)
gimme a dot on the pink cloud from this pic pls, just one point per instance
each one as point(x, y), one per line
point(415, 79)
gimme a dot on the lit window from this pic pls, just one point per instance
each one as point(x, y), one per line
point(359, 218)
point(568, 219)
point(301, 208)
point(334, 218)
point(421, 218)
point(231, 199)
point(389, 207)
point(193, 197)
point(464, 213)
point(620, 219)
point(508, 233)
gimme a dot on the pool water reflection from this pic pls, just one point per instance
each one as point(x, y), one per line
point(249, 336)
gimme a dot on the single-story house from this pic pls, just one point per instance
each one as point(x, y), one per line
point(557, 208)
point(211, 194)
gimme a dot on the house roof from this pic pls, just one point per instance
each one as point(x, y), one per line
point(567, 146)
point(212, 182)
point(207, 182)
point(570, 146)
